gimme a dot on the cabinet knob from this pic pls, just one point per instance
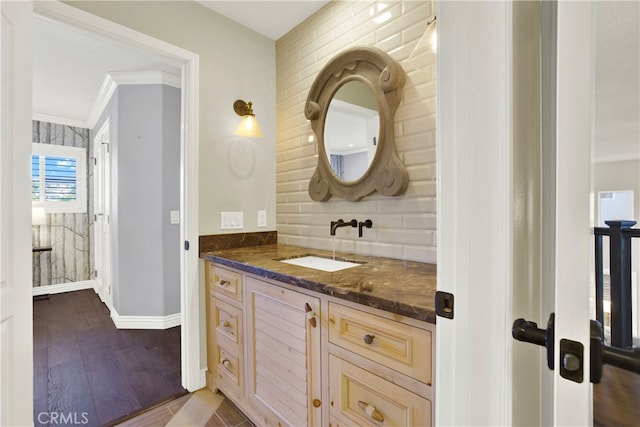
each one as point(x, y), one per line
point(226, 363)
point(368, 339)
point(226, 324)
point(224, 282)
point(371, 411)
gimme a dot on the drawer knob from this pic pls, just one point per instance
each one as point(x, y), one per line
point(224, 282)
point(226, 363)
point(226, 324)
point(368, 339)
point(371, 411)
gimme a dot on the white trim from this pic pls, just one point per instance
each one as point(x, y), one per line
point(64, 287)
point(474, 149)
point(107, 90)
point(145, 322)
point(191, 345)
point(117, 78)
point(146, 78)
point(617, 158)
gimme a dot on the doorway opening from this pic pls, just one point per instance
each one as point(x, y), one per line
point(192, 377)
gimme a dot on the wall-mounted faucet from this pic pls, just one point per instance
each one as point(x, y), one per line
point(340, 223)
point(367, 223)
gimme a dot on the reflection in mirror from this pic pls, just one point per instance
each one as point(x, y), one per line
point(351, 131)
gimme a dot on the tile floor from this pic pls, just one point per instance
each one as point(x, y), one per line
point(226, 415)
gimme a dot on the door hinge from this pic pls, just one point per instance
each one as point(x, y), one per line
point(95, 273)
point(186, 245)
point(444, 304)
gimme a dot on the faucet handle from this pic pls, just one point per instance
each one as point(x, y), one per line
point(367, 223)
point(354, 223)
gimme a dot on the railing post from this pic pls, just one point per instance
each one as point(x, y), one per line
point(620, 284)
point(599, 278)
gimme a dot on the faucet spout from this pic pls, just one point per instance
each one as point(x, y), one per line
point(341, 223)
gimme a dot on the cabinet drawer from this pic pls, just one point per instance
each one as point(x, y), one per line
point(228, 368)
point(359, 397)
point(225, 282)
point(226, 321)
point(401, 347)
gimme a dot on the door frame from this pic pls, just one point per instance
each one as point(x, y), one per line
point(475, 222)
point(16, 304)
point(193, 376)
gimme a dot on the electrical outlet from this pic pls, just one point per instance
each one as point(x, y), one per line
point(262, 218)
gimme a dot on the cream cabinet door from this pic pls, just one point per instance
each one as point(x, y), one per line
point(283, 354)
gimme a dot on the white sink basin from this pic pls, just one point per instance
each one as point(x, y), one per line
point(320, 263)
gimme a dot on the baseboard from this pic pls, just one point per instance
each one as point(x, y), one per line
point(63, 287)
point(145, 322)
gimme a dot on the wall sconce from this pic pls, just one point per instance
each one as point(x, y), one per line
point(431, 35)
point(38, 216)
point(249, 125)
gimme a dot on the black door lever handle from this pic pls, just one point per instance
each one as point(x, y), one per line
point(601, 354)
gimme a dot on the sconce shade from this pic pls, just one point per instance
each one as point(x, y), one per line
point(431, 35)
point(38, 216)
point(249, 125)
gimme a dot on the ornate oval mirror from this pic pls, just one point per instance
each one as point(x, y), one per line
point(351, 106)
point(351, 131)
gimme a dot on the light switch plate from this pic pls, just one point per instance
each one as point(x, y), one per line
point(262, 218)
point(174, 217)
point(231, 220)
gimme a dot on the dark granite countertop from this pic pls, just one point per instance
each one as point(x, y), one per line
point(402, 287)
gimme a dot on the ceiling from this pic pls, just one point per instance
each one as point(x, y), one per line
point(64, 90)
point(272, 19)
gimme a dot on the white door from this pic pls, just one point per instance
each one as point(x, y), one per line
point(102, 212)
point(474, 377)
point(16, 323)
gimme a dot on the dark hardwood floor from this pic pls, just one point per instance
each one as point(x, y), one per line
point(87, 372)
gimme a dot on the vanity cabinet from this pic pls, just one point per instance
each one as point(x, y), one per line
point(302, 358)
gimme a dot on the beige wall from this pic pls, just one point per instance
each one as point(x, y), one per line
point(403, 227)
point(236, 174)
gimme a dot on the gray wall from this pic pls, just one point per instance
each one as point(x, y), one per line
point(69, 234)
point(145, 156)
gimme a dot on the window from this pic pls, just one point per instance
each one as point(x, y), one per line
point(58, 178)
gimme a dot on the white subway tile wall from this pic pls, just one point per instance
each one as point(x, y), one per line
point(404, 227)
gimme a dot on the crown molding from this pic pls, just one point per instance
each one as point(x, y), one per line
point(109, 85)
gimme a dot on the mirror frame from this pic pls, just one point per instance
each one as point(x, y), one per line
point(385, 78)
